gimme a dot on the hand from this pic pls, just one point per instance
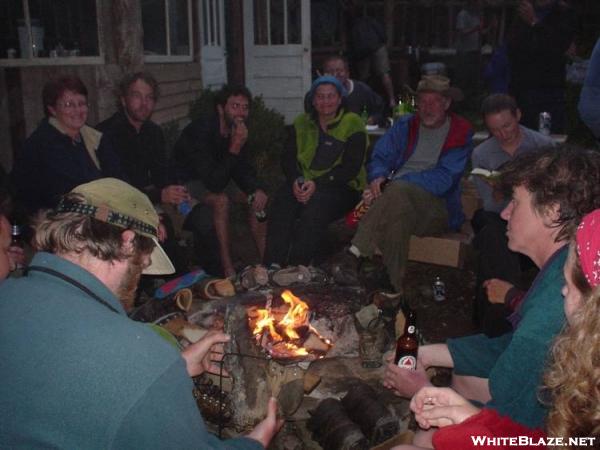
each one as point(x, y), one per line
point(304, 193)
point(526, 12)
point(496, 289)
point(404, 382)
point(265, 430)
point(203, 355)
point(174, 194)
point(368, 196)
point(239, 135)
point(16, 257)
point(440, 407)
point(375, 186)
point(162, 232)
point(260, 200)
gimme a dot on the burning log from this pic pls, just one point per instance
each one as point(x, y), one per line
point(285, 332)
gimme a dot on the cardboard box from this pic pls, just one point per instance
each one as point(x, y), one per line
point(446, 250)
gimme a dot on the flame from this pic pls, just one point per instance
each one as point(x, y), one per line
point(282, 334)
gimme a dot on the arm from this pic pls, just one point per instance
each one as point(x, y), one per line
point(589, 100)
point(449, 169)
point(352, 161)
point(192, 150)
point(388, 151)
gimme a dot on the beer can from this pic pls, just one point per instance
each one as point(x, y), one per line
point(439, 290)
point(545, 123)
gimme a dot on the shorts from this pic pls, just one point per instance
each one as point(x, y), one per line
point(198, 190)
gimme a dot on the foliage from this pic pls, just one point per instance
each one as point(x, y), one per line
point(266, 135)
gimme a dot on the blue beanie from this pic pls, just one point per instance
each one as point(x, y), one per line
point(326, 79)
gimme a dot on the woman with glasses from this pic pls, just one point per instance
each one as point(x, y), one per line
point(63, 151)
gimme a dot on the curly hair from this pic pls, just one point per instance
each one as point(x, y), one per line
point(563, 175)
point(573, 378)
point(79, 233)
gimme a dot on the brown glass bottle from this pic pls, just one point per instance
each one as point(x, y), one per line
point(407, 345)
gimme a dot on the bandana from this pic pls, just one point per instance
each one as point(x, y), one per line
point(587, 239)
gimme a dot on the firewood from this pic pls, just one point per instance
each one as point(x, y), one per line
point(311, 381)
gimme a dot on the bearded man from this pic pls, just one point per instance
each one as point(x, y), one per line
point(213, 148)
point(76, 371)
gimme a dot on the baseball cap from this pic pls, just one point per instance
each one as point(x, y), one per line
point(115, 202)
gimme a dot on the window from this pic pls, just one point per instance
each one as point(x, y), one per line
point(167, 30)
point(277, 22)
point(48, 32)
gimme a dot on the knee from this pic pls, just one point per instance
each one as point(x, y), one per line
point(221, 202)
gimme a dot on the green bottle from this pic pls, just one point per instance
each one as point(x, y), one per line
point(364, 115)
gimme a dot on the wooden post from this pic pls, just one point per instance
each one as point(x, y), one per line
point(128, 34)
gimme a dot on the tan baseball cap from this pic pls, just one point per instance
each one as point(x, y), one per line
point(113, 201)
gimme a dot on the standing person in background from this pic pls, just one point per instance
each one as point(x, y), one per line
point(369, 49)
point(589, 100)
point(213, 149)
point(541, 33)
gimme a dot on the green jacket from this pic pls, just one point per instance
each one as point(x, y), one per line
point(346, 152)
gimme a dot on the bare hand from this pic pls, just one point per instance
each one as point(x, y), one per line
point(174, 194)
point(162, 232)
point(260, 200)
point(239, 135)
point(496, 289)
point(304, 193)
point(203, 355)
point(16, 257)
point(404, 382)
point(375, 186)
point(526, 12)
point(265, 430)
point(440, 407)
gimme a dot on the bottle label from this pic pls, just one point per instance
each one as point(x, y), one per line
point(408, 362)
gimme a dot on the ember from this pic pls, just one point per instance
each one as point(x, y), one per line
point(285, 331)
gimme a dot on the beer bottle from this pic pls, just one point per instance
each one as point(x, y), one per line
point(408, 345)
point(16, 240)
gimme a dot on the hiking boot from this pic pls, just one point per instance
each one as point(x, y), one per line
point(344, 268)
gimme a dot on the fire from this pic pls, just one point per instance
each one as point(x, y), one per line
point(287, 333)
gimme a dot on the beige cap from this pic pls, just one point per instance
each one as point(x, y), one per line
point(113, 201)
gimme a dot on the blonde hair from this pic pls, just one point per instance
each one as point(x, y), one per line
point(573, 377)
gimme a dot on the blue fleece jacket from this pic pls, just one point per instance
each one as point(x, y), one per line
point(396, 146)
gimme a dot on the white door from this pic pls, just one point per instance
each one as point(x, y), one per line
point(277, 53)
point(212, 39)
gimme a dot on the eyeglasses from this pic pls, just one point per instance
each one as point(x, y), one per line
point(72, 105)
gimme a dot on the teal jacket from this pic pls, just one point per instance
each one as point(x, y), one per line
point(515, 362)
point(78, 374)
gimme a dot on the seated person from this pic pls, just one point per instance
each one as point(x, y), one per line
point(359, 96)
point(140, 144)
point(574, 400)
point(508, 140)
point(424, 155)
point(551, 191)
point(325, 174)
point(63, 151)
point(213, 148)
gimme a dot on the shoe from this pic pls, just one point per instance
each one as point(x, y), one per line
point(215, 288)
point(253, 277)
point(291, 275)
point(344, 268)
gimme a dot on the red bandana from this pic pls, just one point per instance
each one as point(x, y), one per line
point(588, 247)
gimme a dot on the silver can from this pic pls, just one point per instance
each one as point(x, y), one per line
point(439, 290)
point(545, 123)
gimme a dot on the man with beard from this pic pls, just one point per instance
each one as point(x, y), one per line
point(214, 150)
point(423, 156)
point(76, 371)
point(140, 144)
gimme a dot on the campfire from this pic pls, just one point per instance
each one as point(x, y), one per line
point(284, 331)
